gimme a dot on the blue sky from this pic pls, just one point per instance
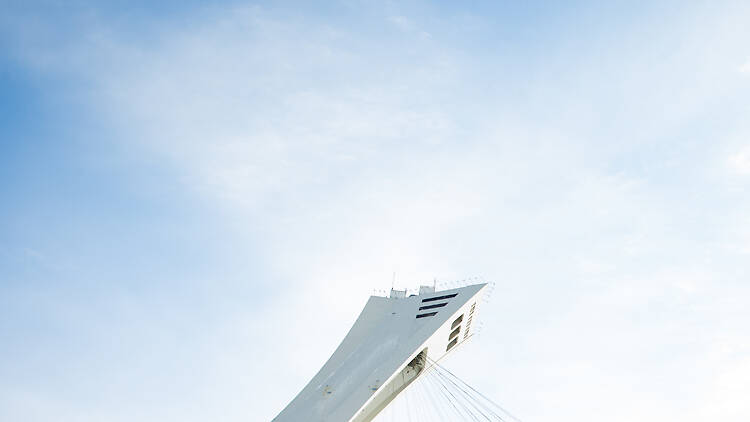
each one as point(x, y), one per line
point(197, 200)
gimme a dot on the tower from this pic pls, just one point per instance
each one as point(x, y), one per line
point(387, 348)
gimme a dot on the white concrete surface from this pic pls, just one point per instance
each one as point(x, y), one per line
point(376, 359)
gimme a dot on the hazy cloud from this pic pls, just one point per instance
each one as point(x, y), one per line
point(740, 161)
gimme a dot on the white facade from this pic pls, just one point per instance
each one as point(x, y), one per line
point(384, 352)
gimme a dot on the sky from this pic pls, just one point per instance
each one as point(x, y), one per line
point(197, 199)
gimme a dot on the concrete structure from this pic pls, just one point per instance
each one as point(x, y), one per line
point(385, 350)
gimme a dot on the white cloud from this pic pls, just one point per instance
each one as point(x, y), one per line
point(745, 68)
point(739, 162)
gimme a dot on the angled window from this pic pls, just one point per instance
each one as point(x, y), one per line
point(429, 314)
point(451, 344)
point(454, 333)
point(457, 322)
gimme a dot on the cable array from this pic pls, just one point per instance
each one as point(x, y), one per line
point(439, 395)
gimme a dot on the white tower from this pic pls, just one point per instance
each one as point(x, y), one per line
point(386, 349)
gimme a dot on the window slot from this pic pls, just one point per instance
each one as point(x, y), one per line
point(437, 305)
point(429, 314)
point(432, 299)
